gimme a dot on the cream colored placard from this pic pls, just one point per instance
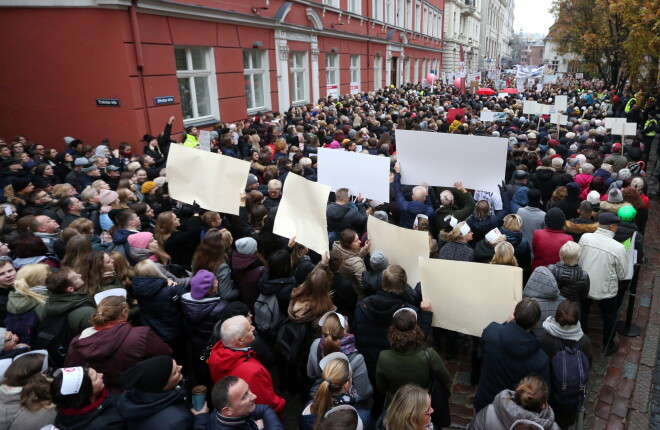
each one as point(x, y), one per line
point(402, 246)
point(211, 180)
point(466, 297)
point(301, 213)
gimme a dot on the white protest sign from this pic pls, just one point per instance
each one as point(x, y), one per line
point(502, 95)
point(466, 297)
point(561, 102)
point(539, 87)
point(559, 119)
point(301, 213)
point(213, 181)
point(530, 107)
point(402, 246)
point(361, 173)
point(630, 129)
point(549, 79)
point(486, 115)
point(439, 159)
point(205, 140)
point(545, 109)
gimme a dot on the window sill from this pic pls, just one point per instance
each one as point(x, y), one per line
point(262, 109)
point(200, 122)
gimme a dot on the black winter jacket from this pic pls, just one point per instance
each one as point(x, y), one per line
point(573, 281)
point(341, 217)
point(281, 287)
point(200, 317)
point(160, 306)
point(167, 410)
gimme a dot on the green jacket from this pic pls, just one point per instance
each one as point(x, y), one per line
point(19, 303)
point(396, 369)
point(79, 319)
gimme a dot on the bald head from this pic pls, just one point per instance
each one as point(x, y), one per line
point(237, 332)
point(419, 193)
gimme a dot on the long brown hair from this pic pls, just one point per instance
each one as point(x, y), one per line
point(91, 271)
point(316, 288)
point(211, 252)
point(25, 372)
point(332, 333)
point(76, 249)
point(109, 310)
point(335, 375)
point(164, 229)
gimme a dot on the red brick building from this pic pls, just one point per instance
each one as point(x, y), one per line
point(118, 69)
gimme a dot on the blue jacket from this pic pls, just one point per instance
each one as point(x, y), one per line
point(510, 354)
point(120, 238)
point(167, 410)
point(201, 316)
point(160, 306)
point(408, 211)
point(261, 412)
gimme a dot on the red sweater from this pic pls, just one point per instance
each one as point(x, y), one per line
point(546, 244)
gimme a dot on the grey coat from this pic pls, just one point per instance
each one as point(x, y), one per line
point(10, 409)
point(542, 287)
point(504, 412)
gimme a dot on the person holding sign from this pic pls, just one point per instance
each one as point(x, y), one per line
point(420, 204)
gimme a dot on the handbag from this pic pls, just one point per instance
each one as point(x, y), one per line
point(439, 398)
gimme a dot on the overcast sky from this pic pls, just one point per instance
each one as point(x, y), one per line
point(532, 16)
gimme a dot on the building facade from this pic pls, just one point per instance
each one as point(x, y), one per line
point(560, 63)
point(118, 69)
point(532, 51)
point(496, 34)
point(462, 27)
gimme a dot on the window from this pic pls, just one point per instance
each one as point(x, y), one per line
point(355, 6)
point(355, 73)
point(389, 11)
point(409, 15)
point(418, 16)
point(333, 3)
point(555, 65)
point(378, 9)
point(195, 72)
point(378, 74)
point(416, 77)
point(299, 78)
point(331, 69)
point(399, 13)
point(257, 84)
point(425, 23)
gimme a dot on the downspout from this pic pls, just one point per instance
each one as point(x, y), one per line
point(139, 59)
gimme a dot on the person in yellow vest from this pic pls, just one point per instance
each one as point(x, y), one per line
point(630, 104)
point(648, 133)
point(192, 137)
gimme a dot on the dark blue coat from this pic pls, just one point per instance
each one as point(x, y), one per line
point(160, 306)
point(261, 412)
point(201, 316)
point(510, 354)
point(408, 210)
point(167, 410)
point(105, 417)
point(120, 238)
point(373, 316)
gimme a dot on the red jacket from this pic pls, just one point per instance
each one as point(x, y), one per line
point(546, 244)
point(245, 365)
point(114, 350)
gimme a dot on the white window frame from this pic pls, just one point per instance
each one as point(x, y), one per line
point(191, 74)
point(400, 11)
point(418, 16)
point(355, 70)
point(299, 71)
point(378, 10)
point(378, 73)
point(409, 14)
point(425, 21)
point(389, 11)
point(333, 3)
point(265, 72)
point(416, 77)
point(406, 71)
point(332, 69)
point(355, 6)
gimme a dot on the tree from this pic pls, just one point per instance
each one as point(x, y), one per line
point(619, 39)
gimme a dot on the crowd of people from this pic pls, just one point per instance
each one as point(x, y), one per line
point(122, 308)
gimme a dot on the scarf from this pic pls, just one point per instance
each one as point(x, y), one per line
point(89, 408)
point(349, 398)
point(346, 344)
point(571, 332)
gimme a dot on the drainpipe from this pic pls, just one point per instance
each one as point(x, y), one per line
point(139, 59)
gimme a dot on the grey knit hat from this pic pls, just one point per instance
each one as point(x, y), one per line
point(378, 261)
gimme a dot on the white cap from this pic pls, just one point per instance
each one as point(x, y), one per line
point(344, 407)
point(335, 356)
point(465, 229)
point(119, 292)
point(72, 378)
point(340, 317)
point(411, 310)
point(493, 235)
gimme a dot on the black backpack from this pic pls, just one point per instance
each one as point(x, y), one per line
point(292, 338)
point(55, 335)
point(569, 374)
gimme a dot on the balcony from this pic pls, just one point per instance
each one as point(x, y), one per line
point(469, 8)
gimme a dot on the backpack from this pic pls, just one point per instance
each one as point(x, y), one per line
point(569, 374)
point(267, 315)
point(291, 339)
point(55, 335)
point(23, 325)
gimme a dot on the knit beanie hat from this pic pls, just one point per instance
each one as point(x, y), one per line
point(246, 245)
point(160, 181)
point(627, 213)
point(557, 163)
point(555, 219)
point(624, 174)
point(615, 196)
point(140, 240)
point(20, 184)
point(106, 197)
point(149, 376)
point(81, 161)
point(201, 284)
point(378, 261)
point(593, 197)
point(382, 215)
point(148, 186)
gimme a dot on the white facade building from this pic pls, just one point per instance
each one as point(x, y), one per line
point(566, 63)
point(496, 33)
point(462, 28)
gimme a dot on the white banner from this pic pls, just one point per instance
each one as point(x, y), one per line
point(561, 102)
point(213, 181)
point(549, 79)
point(355, 87)
point(441, 159)
point(530, 107)
point(402, 246)
point(466, 297)
point(332, 90)
point(205, 140)
point(301, 213)
point(360, 173)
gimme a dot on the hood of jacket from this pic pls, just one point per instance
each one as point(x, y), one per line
point(242, 262)
point(148, 285)
point(19, 303)
point(121, 236)
point(59, 304)
point(229, 358)
point(513, 237)
point(508, 412)
point(483, 250)
point(197, 311)
point(102, 344)
point(545, 174)
point(517, 342)
point(581, 225)
point(583, 180)
point(624, 231)
point(520, 197)
point(482, 225)
point(337, 211)
point(337, 249)
point(542, 284)
point(273, 286)
point(382, 305)
point(136, 405)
